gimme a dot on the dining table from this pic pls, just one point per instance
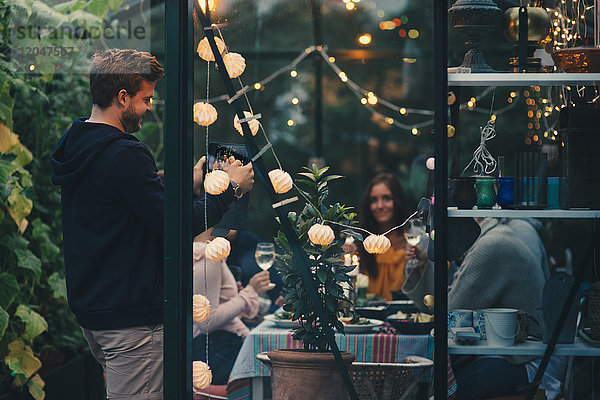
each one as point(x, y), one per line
point(249, 378)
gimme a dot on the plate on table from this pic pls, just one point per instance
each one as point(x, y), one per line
point(282, 323)
point(364, 325)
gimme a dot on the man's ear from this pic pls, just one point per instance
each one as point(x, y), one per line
point(123, 97)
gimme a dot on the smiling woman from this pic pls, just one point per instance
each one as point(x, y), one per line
point(383, 206)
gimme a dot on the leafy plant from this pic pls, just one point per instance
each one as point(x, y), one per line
point(327, 269)
point(39, 98)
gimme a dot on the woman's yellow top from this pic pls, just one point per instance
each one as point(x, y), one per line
point(391, 273)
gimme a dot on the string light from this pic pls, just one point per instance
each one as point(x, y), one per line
point(371, 99)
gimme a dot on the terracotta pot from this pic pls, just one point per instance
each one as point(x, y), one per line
point(302, 375)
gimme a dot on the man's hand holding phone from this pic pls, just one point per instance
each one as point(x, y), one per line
point(243, 175)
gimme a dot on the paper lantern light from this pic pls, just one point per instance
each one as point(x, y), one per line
point(216, 182)
point(200, 308)
point(281, 181)
point(451, 98)
point(253, 124)
point(377, 244)
point(204, 113)
point(321, 234)
point(235, 64)
point(201, 375)
point(205, 52)
point(217, 249)
point(451, 130)
point(430, 163)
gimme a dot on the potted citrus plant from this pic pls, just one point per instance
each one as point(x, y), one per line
point(321, 228)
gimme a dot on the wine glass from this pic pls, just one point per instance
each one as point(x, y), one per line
point(413, 233)
point(265, 255)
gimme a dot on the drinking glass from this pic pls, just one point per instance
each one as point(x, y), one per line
point(265, 255)
point(413, 232)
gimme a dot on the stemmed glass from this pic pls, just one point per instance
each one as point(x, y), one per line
point(413, 233)
point(265, 255)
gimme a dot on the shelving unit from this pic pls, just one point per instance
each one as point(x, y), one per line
point(522, 79)
point(443, 80)
point(530, 348)
point(453, 212)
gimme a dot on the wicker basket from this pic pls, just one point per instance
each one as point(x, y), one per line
point(593, 311)
point(375, 381)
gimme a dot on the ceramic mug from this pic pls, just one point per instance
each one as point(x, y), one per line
point(458, 319)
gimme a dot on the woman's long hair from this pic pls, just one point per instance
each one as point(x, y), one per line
point(368, 222)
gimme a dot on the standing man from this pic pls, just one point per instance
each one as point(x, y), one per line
point(112, 213)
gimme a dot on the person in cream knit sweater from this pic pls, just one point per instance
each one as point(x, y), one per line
point(498, 270)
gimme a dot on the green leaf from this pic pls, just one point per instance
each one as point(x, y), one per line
point(42, 233)
point(115, 4)
point(308, 175)
point(70, 6)
point(283, 239)
point(21, 359)
point(26, 259)
point(36, 387)
point(35, 324)
point(19, 207)
point(3, 321)
point(6, 105)
point(322, 274)
point(58, 285)
point(15, 241)
point(9, 289)
point(98, 7)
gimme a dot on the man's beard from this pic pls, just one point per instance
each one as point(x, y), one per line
point(131, 121)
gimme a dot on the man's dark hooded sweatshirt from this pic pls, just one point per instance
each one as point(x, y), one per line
point(112, 213)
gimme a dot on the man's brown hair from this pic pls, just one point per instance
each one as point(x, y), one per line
point(116, 69)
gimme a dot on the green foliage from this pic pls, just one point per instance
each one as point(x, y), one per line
point(327, 270)
point(39, 105)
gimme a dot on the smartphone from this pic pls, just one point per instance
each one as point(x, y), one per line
point(222, 155)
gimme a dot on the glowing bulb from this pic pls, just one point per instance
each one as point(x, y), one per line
point(513, 94)
point(31, 67)
point(295, 100)
point(365, 39)
point(493, 117)
point(257, 86)
point(332, 59)
point(413, 33)
point(350, 6)
point(372, 100)
point(291, 122)
point(389, 120)
point(293, 73)
point(403, 111)
point(415, 131)
point(343, 76)
point(211, 5)
point(363, 100)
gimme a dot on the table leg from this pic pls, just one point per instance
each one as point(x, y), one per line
point(257, 388)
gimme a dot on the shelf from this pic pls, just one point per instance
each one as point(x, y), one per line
point(456, 213)
point(522, 79)
point(529, 348)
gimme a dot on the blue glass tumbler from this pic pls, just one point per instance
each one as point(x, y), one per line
point(506, 191)
point(486, 191)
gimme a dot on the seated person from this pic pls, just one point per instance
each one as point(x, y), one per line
point(225, 329)
point(498, 270)
point(241, 261)
point(383, 206)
